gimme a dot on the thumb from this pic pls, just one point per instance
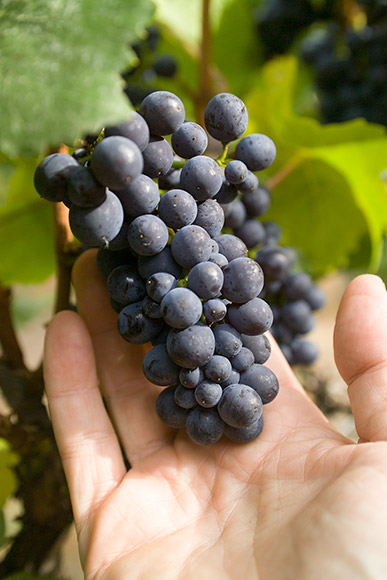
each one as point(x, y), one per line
point(360, 343)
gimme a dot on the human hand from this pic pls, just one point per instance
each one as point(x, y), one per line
point(301, 502)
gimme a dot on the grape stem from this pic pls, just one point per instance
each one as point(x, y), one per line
point(221, 160)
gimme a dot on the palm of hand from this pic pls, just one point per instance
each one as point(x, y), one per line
point(290, 505)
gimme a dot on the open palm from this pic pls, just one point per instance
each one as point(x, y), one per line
point(300, 502)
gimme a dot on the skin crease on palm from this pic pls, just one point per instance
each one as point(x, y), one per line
point(302, 502)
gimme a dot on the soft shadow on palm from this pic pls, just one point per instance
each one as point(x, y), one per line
point(269, 509)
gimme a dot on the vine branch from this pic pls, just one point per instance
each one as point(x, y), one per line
point(12, 351)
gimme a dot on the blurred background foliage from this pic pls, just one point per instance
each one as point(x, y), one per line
point(71, 66)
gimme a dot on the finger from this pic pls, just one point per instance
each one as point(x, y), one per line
point(87, 443)
point(360, 341)
point(292, 407)
point(130, 397)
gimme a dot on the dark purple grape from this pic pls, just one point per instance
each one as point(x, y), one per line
point(253, 317)
point(240, 405)
point(52, 175)
point(204, 426)
point(262, 380)
point(135, 128)
point(225, 117)
point(168, 411)
point(163, 111)
point(257, 151)
point(159, 368)
point(189, 140)
point(116, 161)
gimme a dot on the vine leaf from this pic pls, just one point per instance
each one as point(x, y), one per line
point(60, 65)
point(354, 155)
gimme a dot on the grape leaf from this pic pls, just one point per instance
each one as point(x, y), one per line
point(356, 150)
point(59, 64)
point(317, 215)
point(7, 476)
point(26, 230)
point(236, 48)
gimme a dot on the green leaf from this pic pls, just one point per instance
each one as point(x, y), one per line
point(59, 64)
point(356, 151)
point(7, 475)
point(185, 18)
point(26, 230)
point(310, 208)
point(236, 48)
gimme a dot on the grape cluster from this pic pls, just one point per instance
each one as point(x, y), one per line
point(279, 22)
point(173, 277)
point(151, 65)
point(350, 68)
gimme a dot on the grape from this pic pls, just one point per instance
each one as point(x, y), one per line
point(181, 308)
point(165, 66)
point(303, 351)
point(235, 172)
point(99, 225)
point(168, 411)
point(273, 232)
point(259, 345)
point(177, 208)
point(206, 280)
point(296, 285)
point(190, 378)
point(170, 180)
point(192, 347)
point(135, 128)
point(297, 316)
point(107, 260)
point(157, 156)
point(240, 405)
point(232, 379)
point(218, 259)
point(257, 151)
point(125, 285)
point(84, 190)
point(210, 217)
point(147, 235)
point(217, 369)
point(116, 161)
point(227, 193)
point(135, 327)
point(253, 317)
point(162, 337)
point(231, 246)
point(140, 196)
point(262, 380)
point(204, 426)
point(243, 280)
point(191, 245)
point(214, 310)
point(252, 233)
point(274, 263)
point(235, 214)
point(202, 177)
point(225, 117)
point(244, 434)
point(189, 140)
point(161, 262)
point(243, 360)
point(185, 398)
point(159, 368)
point(249, 184)
point(208, 394)
point(120, 241)
point(163, 111)
point(228, 341)
point(52, 175)
point(257, 202)
point(159, 284)
point(151, 308)
point(315, 297)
